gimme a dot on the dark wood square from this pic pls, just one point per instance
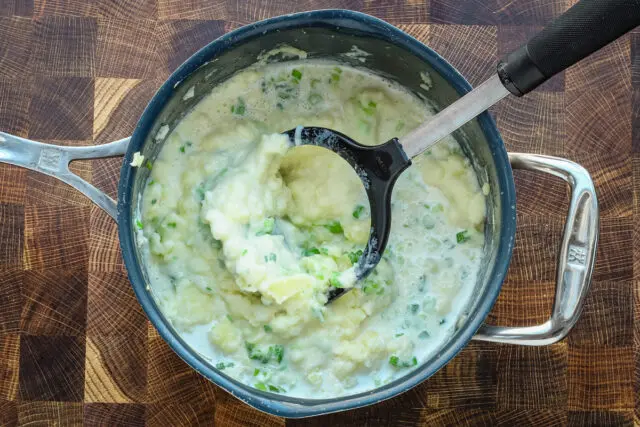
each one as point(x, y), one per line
point(116, 367)
point(636, 224)
point(598, 101)
point(475, 367)
point(65, 46)
point(8, 413)
point(62, 414)
point(52, 368)
point(55, 302)
point(15, 94)
point(607, 318)
point(56, 237)
point(9, 366)
point(14, 184)
point(465, 12)
point(635, 120)
point(634, 39)
point(471, 49)
point(533, 124)
point(118, 56)
point(511, 37)
point(61, 108)
point(192, 9)
point(600, 378)
point(612, 173)
point(11, 232)
point(600, 419)
point(536, 249)
point(16, 7)
point(15, 52)
point(104, 249)
point(541, 194)
point(636, 342)
point(398, 11)
point(11, 300)
point(170, 380)
point(107, 415)
point(112, 306)
point(519, 386)
point(612, 264)
point(530, 417)
point(178, 40)
point(127, 10)
point(64, 7)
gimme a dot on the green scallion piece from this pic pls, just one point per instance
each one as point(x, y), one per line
point(462, 236)
point(357, 212)
point(335, 227)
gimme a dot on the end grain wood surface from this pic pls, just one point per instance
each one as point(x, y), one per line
point(75, 346)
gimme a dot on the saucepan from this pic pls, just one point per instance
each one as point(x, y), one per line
point(396, 55)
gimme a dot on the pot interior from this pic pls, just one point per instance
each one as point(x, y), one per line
point(397, 57)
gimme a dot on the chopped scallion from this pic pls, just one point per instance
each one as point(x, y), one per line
point(397, 363)
point(357, 212)
point(462, 236)
point(335, 227)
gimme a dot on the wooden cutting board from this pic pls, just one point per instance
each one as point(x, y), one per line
point(75, 346)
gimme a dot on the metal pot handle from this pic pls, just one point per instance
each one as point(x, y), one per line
point(575, 260)
point(53, 160)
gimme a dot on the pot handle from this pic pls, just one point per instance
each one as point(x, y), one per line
point(53, 160)
point(575, 260)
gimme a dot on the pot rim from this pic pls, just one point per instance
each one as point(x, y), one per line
point(284, 405)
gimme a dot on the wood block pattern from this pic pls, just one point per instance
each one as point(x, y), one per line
point(11, 300)
point(106, 415)
point(65, 46)
point(63, 414)
point(55, 302)
point(16, 52)
point(9, 366)
point(11, 226)
point(14, 105)
point(43, 377)
point(72, 100)
point(55, 237)
point(76, 347)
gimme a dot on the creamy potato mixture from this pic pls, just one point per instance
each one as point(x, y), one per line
point(243, 235)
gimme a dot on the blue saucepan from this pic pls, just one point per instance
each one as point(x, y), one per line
point(396, 55)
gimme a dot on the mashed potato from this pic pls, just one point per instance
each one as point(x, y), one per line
point(243, 236)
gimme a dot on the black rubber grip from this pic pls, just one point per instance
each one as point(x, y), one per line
point(580, 31)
